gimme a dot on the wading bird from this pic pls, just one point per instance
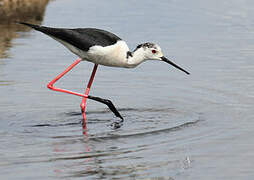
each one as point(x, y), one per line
point(100, 47)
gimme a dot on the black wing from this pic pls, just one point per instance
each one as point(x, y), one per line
point(82, 38)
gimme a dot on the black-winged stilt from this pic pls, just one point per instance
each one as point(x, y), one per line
point(100, 47)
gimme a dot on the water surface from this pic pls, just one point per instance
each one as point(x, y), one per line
point(176, 126)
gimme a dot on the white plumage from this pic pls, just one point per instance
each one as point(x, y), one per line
point(104, 48)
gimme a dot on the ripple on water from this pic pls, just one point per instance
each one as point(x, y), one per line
point(112, 152)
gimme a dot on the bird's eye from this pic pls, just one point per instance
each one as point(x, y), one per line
point(153, 51)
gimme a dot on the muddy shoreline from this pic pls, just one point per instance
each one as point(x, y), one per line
point(14, 10)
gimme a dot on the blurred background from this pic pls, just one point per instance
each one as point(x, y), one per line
point(176, 126)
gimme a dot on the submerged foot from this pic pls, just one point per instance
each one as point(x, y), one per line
point(116, 125)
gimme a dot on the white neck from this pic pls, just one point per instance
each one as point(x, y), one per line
point(135, 58)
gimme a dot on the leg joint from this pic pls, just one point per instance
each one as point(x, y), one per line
point(50, 86)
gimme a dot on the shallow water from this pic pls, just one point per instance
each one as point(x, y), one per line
point(176, 126)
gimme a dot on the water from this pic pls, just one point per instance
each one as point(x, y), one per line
point(176, 126)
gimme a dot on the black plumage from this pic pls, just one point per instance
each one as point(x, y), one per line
point(81, 38)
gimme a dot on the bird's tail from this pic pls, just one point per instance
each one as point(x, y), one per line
point(37, 27)
point(46, 30)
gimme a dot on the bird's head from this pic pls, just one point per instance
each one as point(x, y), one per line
point(151, 51)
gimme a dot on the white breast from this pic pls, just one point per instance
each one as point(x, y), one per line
point(114, 55)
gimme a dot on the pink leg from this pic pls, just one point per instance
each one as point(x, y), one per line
point(52, 82)
point(83, 102)
point(82, 105)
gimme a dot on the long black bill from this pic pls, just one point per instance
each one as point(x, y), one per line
point(173, 64)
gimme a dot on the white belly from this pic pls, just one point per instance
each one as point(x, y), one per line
point(114, 55)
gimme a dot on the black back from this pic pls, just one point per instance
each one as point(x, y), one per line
point(82, 38)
